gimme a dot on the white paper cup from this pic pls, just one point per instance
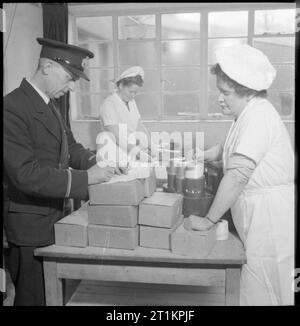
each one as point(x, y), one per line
point(222, 230)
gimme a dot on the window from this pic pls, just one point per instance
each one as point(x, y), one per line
point(96, 35)
point(224, 29)
point(176, 50)
point(274, 35)
point(180, 64)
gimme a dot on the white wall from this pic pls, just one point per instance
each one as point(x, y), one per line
point(20, 48)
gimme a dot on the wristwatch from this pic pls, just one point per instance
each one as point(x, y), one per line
point(211, 220)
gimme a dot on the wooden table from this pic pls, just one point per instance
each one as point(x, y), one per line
point(220, 268)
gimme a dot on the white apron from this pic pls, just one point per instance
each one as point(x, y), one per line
point(264, 212)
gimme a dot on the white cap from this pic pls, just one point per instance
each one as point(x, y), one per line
point(246, 65)
point(132, 72)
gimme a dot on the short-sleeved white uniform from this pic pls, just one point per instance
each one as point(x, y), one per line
point(114, 111)
point(264, 212)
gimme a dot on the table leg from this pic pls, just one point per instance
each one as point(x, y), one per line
point(232, 287)
point(53, 285)
point(70, 287)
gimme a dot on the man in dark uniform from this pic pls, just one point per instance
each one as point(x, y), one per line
point(38, 151)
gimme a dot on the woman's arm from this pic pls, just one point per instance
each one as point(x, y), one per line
point(239, 170)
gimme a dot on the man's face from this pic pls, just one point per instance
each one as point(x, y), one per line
point(59, 81)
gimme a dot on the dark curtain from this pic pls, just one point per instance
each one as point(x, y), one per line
point(55, 25)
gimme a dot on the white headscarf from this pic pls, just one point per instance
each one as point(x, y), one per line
point(246, 65)
point(132, 72)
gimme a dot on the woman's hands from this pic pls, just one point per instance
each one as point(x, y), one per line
point(198, 223)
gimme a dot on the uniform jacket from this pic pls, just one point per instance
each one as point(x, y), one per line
point(38, 149)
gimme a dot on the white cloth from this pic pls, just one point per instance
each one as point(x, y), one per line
point(132, 72)
point(246, 65)
point(114, 111)
point(264, 212)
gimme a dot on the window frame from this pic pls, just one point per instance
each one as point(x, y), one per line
point(157, 9)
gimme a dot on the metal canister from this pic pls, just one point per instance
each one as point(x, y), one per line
point(214, 175)
point(197, 205)
point(171, 170)
point(194, 187)
point(194, 170)
point(180, 178)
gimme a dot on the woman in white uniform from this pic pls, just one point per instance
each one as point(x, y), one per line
point(119, 112)
point(258, 182)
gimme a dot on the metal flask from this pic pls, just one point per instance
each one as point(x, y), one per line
point(196, 200)
point(194, 184)
point(180, 172)
point(171, 170)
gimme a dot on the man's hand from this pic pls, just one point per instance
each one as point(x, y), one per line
point(97, 174)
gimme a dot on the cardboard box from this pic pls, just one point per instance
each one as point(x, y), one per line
point(150, 184)
point(161, 209)
point(117, 215)
point(154, 237)
point(113, 237)
point(121, 193)
point(194, 243)
point(72, 229)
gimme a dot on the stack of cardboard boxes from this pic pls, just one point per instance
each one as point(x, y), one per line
point(159, 216)
point(109, 219)
point(119, 216)
point(113, 214)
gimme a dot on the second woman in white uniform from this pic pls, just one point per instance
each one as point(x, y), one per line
point(258, 182)
point(119, 112)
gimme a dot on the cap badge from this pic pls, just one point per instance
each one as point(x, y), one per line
point(84, 62)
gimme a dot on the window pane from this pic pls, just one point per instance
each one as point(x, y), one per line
point(100, 81)
point(103, 54)
point(275, 21)
point(187, 79)
point(285, 78)
point(284, 103)
point(90, 105)
point(137, 54)
point(232, 23)
point(136, 27)
point(214, 44)
point(94, 28)
point(180, 103)
point(180, 53)
point(212, 82)
point(148, 105)
point(277, 49)
point(180, 25)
